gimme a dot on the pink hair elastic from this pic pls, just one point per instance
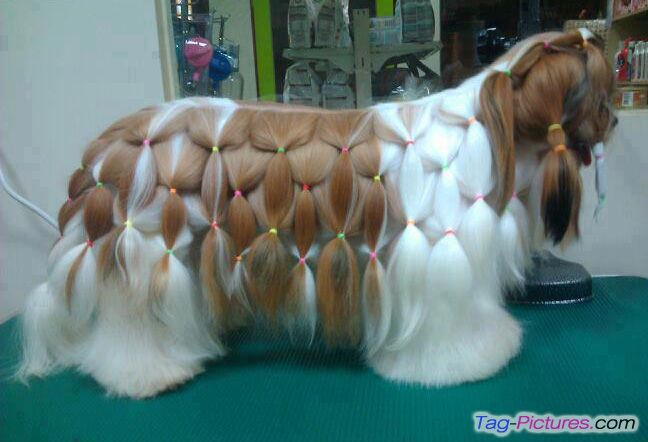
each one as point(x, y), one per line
point(146, 142)
point(449, 232)
point(372, 255)
point(89, 243)
point(345, 149)
point(305, 187)
point(479, 196)
point(472, 120)
point(514, 195)
point(302, 260)
point(69, 200)
point(237, 193)
point(214, 225)
point(546, 45)
point(409, 143)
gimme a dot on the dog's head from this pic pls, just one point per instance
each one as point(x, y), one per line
point(551, 92)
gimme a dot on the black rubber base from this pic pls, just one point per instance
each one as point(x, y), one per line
point(553, 281)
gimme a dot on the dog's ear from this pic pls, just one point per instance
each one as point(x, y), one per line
point(496, 112)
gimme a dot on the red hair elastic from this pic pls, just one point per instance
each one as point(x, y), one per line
point(305, 186)
point(409, 143)
point(214, 225)
point(89, 243)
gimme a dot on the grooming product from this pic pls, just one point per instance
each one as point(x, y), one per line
point(198, 52)
point(336, 93)
point(418, 20)
point(629, 59)
point(384, 31)
point(299, 24)
point(621, 67)
point(631, 97)
point(302, 85)
point(325, 25)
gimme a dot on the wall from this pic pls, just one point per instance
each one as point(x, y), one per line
point(67, 70)
point(617, 244)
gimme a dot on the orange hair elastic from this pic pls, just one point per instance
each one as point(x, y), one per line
point(560, 148)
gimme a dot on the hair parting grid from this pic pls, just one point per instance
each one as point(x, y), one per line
point(277, 133)
point(245, 166)
point(77, 270)
point(376, 300)
point(216, 130)
point(337, 279)
point(310, 164)
point(407, 263)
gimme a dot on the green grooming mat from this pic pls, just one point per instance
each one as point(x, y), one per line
point(579, 359)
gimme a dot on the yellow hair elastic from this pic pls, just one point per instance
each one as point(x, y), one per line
point(554, 126)
point(273, 231)
point(128, 223)
point(376, 178)
point(560, 148)
point(215, 149)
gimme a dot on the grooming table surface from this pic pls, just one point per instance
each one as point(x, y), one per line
point(589, 358)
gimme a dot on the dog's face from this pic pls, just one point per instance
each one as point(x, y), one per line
point(556, 105)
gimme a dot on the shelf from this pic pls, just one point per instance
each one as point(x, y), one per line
point(343, 58)
point(632, 14)
point(632, 83)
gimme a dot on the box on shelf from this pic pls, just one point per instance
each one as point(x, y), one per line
point(631, 97)
point(299, 24)
point(385, 31)
point(302, 85)
point(336, 93)
point(417, 20)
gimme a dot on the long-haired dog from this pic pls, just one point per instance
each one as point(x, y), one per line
point(395, 228)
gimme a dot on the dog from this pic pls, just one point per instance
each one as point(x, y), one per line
point(394, 229)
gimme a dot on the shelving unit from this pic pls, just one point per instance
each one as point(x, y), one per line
point(362, 59)
point(629, 25)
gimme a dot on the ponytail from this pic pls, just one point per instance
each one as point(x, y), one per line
point(561, 188)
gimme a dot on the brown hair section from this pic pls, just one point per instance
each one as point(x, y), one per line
point(179, 171)
point(280, 133)
point(560, 81)
point(217, 244)
point(337, 279)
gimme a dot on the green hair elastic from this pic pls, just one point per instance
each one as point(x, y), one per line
point(99, 184)
point(340, 235)
point(169, 251)
point(281, 150)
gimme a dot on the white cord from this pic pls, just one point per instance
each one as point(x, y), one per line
point(31, 206)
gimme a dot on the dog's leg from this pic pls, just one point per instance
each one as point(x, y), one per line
point(454, 345)
point(466, 333)
point(142, 346)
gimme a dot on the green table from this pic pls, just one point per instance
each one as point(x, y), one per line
point(585, 358)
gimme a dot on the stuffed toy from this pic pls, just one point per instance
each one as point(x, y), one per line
point(393, 229)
